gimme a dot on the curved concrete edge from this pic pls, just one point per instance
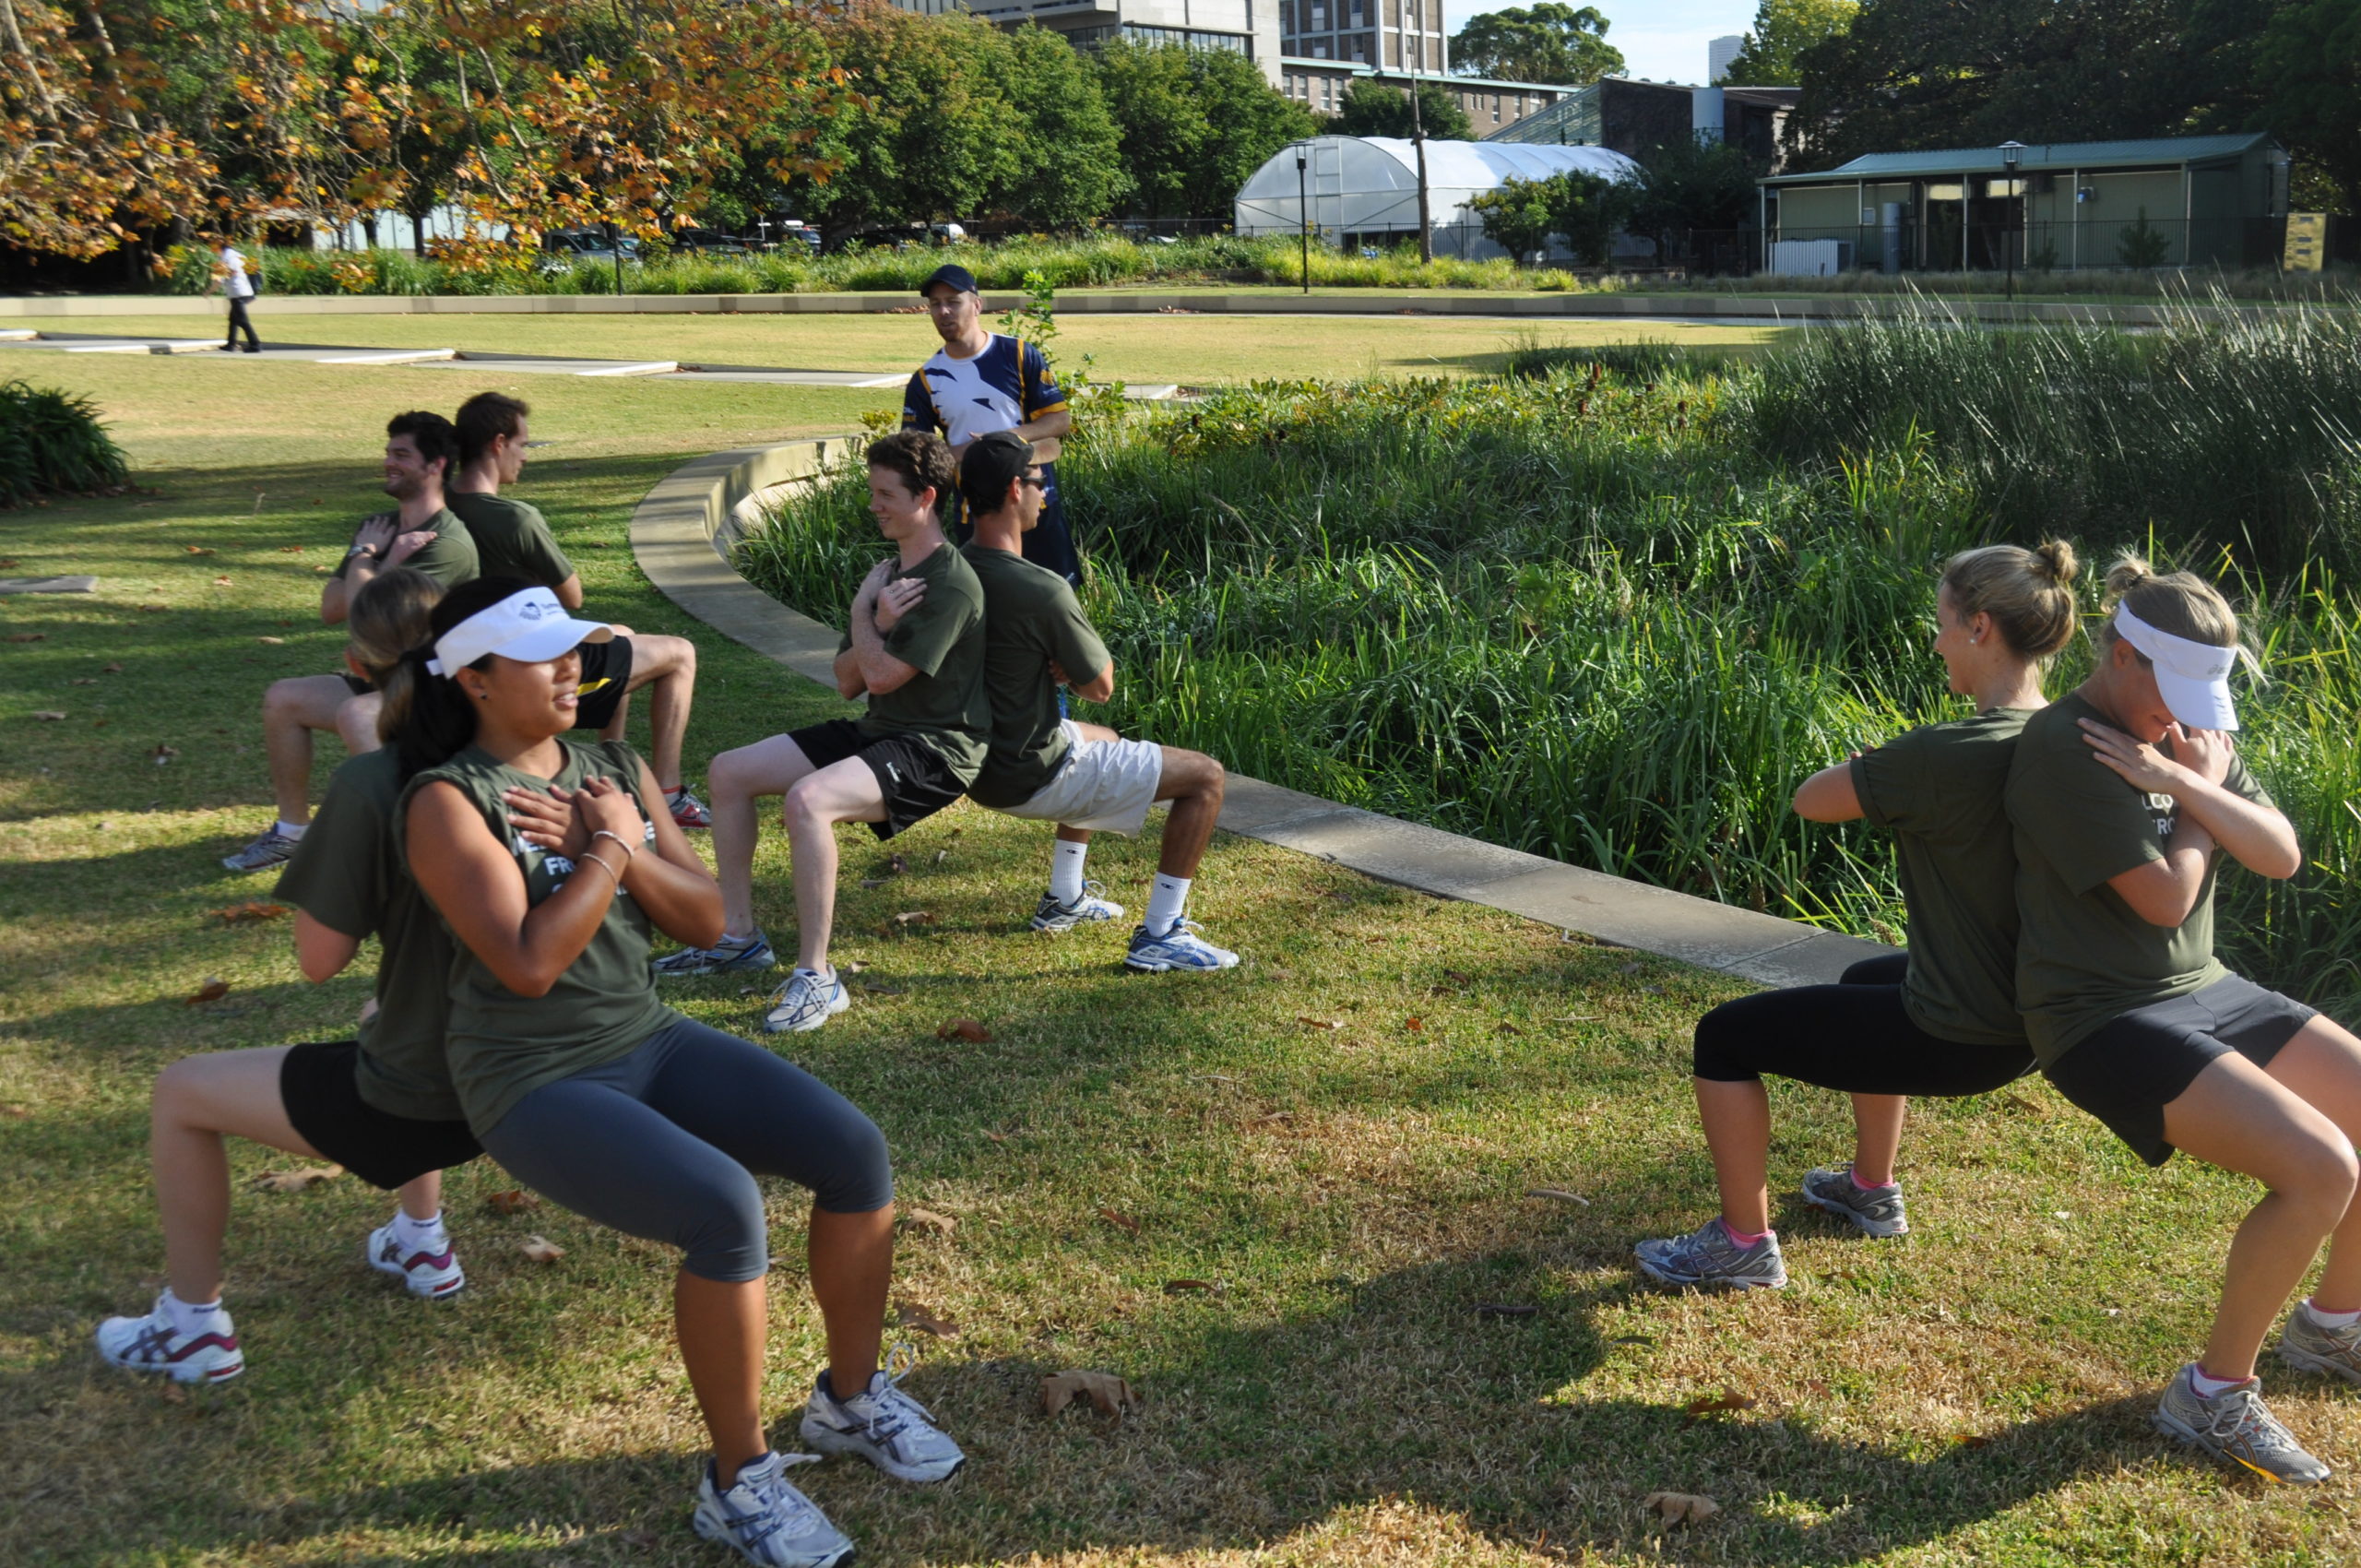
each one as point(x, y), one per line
point(1373, 301)
point(681, 531)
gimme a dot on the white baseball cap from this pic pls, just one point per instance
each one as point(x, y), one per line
point(2192, 677)
point(528, 627)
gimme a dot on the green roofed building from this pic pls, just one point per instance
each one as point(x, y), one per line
point(2173, 201)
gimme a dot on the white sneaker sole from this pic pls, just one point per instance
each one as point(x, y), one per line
point(810, 1021)
point(714, 1530)
point(1722, 1283)
point(828, 1440)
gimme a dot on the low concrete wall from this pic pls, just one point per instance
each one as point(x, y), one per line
point(681, 532)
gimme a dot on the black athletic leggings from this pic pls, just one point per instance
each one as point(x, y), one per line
point(666, 1143)
point(1855, 1035)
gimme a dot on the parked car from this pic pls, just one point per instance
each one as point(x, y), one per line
point(708, 242)
point(563, 247)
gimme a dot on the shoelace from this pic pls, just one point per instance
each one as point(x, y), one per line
point(2244, 1416)
point(776, 1505)
point(891, 1409)
point(813, 994)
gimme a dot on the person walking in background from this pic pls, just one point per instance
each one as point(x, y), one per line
point(981, 381)
point(237, 285)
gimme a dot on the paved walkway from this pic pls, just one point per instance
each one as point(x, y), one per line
point(677, 534)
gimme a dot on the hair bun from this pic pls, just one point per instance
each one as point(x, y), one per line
point(2128, 571)
point(2058, 556)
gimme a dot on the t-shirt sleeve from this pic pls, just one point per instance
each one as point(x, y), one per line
point(1043, 395)
point(338, 875)
point(1074, 643)
point(917, 405)
point(450, 559)
point(1891, 781)
point(2079, 812)
point(924, 638)
point(544, 563)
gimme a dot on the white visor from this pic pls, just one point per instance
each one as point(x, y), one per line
point(2193, 678)
point(528, 627)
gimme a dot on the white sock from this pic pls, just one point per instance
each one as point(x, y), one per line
point(188, 1318)
point(2332, 1320)
point(1066, 871)
point(419, 1234)
point(2208, 1386)
point(290, 830)
point(1167, 902)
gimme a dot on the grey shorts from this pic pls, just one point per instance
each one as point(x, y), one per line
point(2135, 1065)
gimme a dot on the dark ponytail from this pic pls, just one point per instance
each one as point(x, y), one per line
point(426, 718)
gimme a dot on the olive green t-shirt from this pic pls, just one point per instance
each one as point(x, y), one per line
point(1030, 617)
point(512, 539)
point(942, 638)
point(449, 557)
point(504, 1046)
point(1938, 790)
point(2084, 957)
point(348, 874)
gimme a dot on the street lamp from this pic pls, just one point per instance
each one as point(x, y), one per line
point(2009, 152)
point(1303, 210)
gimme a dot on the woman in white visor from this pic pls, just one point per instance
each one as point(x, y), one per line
point(2122, 796)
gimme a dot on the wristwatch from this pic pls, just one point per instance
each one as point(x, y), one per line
point(369, 549)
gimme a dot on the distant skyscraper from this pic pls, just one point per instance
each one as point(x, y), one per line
point(1719, 53)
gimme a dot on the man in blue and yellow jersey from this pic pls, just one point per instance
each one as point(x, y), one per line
point(981, 381)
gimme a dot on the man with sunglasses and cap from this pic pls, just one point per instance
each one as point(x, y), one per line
point(981, 381)
point(1046, 767)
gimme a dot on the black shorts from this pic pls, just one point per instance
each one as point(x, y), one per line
point(362, 688)
point(913, 777)
point(323, 1103)
point(2132, 1067)
point(606, 681)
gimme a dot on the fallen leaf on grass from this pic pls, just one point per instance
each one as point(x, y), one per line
point(1120, 1220)
point(941, 1224)
point(296, 1180)
point(214, 989)
point(1558, 1192)
point(1412, 1024)
point(540, 1249)
point(15, 1112)
point(908, 919)
point(150, 609)
point(249, 913)
point(1506, 1030)
point(274, 642)
point(1732, 1399)
point(198, 550)
point(48, 713)
point(293, 549)
point(926, 1321)
point(1322, 1023)
point(163, 755)
point(173, 1393)
point(514, 1201)
point(1970, 1439)
point(1680, 1507)
point(1505, 1309)
point(966, 1029)
point(1187, 1286)
point(220, 582)
point(1110, 1393)
point(112, 670)
point(29, 636)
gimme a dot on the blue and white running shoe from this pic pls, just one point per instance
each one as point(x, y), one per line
point(1179, 948)
point(1085, 910)
point(725, 956)
point(767, 1521)
point(808, 1000)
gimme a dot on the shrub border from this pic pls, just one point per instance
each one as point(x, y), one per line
point(681, 535)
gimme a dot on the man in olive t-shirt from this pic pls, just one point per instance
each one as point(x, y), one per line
point(915, 649)
point(420, 534)
point(1047, 767)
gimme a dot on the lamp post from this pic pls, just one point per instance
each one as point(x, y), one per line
point(2009, 152)
point(1304, 209)
point(1419, 136)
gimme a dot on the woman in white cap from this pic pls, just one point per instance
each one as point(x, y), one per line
point(591, 1091)
point(2133, 1018)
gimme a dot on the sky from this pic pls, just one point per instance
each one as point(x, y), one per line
point(1661, 40)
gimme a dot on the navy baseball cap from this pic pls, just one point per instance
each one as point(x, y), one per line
point(988, 464)
point(954, 274)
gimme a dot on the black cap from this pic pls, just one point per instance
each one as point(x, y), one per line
point(988, 464)
point(954, 274)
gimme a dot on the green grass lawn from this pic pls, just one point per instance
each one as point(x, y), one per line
point(1975, 1395)
point(1191, 350)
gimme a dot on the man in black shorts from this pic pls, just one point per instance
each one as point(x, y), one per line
point(422, 534)
point(513, 541)
point(916, 647)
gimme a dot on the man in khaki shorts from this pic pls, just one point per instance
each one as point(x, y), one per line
point(1085, 777)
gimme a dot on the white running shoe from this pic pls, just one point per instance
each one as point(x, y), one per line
point(434, 1275)
point(767, 1521)
point(882, 1425)
point(1180, 948)
point(808, 1000)
point(1085, 909)
point(148, 1344)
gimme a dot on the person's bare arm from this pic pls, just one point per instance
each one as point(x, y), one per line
point(1100, 688)
point(2259, 837)
point(1828, 796)
point(569, 592)
point(321, 951)
point(472, 878)
point(1053, 424)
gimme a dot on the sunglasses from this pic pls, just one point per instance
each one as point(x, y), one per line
point(1038, 482)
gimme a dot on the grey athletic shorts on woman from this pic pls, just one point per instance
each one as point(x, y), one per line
point(665, 1143)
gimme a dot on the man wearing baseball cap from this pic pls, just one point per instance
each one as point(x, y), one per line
point(1045, 766)
point(981, 381)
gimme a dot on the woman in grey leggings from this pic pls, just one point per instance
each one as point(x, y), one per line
point(575, 1077)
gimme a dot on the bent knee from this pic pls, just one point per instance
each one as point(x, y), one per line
point(860, 1169)
point(1717, 1050)
point(726, 1235)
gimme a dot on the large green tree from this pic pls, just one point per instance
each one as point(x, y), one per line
point(1372, 109)
point(2311, 61)
point(1070, 165)
point(1546, 42)
point(1195, 123)
point(1783, 29)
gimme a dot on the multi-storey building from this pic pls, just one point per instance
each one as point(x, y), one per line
point(1250, 27)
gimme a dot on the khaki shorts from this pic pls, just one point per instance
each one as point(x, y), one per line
point(1104, 786)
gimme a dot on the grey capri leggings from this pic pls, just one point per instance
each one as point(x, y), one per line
point(665, 1143)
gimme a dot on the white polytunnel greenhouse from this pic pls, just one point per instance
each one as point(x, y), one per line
point(1364, 190)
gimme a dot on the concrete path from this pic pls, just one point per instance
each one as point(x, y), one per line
point(677, 534)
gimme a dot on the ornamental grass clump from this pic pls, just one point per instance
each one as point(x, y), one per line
point(52, 444)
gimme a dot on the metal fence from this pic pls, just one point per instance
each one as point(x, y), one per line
point(1938, 241)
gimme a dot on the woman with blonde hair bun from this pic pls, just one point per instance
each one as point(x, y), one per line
point(1940, 1020)
point(2123, 797)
